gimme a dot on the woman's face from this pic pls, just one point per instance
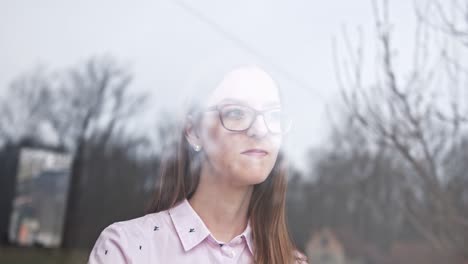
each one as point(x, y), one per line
point(239, 158)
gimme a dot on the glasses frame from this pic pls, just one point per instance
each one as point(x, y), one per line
point(256, 112)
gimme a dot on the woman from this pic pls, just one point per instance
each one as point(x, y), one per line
point(221, 194)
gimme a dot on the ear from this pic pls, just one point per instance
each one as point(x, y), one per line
point(190, 131)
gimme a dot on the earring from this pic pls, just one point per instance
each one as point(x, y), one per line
point(196, 148)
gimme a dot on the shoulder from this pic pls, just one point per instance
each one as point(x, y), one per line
point(119, 241)
point(141, 226)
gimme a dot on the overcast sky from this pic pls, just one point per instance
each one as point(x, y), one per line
point(162, 40)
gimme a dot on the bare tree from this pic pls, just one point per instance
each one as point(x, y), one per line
point(451, 19)
point(25, 106)
point(418, 120)
point(97, 102)
point(80, 110)
point(90, 100)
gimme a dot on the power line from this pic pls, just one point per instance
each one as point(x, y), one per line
point(244, 45)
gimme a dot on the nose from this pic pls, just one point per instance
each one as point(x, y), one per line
point(258, 128)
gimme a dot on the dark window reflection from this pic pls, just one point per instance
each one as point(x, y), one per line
point(39, 204)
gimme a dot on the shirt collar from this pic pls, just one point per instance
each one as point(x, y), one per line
point(191, 229)
point(248, 237)
point(188, 224)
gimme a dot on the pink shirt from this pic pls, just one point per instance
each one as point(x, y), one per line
point(177, 235)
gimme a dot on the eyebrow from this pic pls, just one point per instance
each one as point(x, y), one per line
point(267, 104)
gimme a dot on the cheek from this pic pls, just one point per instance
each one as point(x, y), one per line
point(219, 143)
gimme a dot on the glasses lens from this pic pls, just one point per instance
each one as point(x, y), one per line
point(236, 117)
point(277, 122)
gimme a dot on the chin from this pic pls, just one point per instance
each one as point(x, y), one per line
point(250, 174)
point(255, 178)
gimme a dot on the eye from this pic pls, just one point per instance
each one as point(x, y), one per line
point(236, 113)
point(275, 115)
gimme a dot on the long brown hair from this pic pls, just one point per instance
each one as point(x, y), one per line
point(179, 175)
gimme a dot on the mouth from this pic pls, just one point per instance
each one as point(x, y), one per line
point(255, 152)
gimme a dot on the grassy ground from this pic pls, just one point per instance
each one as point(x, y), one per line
point(12, 255)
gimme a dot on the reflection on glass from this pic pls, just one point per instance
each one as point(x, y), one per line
point(40, 201)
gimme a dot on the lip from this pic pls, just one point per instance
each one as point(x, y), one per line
point(255, 152)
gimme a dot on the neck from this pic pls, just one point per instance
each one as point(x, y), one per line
point(222, 206)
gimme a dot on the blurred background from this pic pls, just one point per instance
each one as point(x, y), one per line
point(378, 91)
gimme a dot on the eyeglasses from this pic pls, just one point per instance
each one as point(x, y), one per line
point(240, 118)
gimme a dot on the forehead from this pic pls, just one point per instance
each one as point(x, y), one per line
point(248, 84)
